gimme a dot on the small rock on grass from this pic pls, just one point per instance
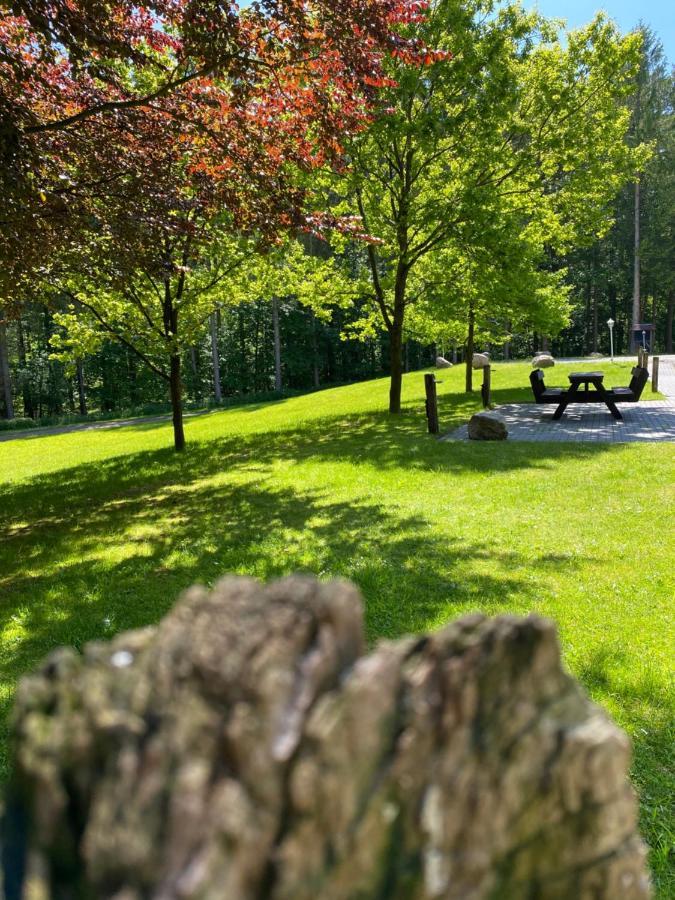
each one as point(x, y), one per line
point(487, 426)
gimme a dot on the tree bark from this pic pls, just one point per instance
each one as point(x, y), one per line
point(594, 298)
point(170, 319)
point(395, 367)
point(5, 375)
point(396, 339)
point(277, 343)
point(243, 381)
point(670, 315)
point(468, 367)
point(80, 389)
point(133, 377)
point(315, 353)
point(26, 387)
point(247, 748)
point(636, 311)
point(194, 362)
point(176, 391)
point(215, 358)
point(257, 353)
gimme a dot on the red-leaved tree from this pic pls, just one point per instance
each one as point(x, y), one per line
point(306, 69)
point(130, 133)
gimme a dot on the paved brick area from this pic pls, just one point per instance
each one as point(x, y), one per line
point(651, 420)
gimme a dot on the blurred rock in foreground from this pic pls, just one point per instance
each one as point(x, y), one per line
point(247, 748)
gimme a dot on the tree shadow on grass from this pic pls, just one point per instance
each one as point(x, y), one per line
point(106, 546)
point(100, 547)
point(384, 441)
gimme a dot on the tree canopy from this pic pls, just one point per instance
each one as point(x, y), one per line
point(510, 147)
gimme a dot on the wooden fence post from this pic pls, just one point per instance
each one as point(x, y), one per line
point(485, 388)
point(655, 374)
point(431, 403)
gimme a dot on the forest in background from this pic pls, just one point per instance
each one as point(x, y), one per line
point(265, 345)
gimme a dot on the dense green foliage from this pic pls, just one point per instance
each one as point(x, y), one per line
point(489, 162)
point(497, 195)
point(313, 353)
point(507, 238)
point(102, 529)
point(601, 275)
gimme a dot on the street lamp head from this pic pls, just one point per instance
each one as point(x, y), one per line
point(610, 322)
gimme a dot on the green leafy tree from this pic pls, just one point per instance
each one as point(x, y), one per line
point(488, 160)
point(609, 278)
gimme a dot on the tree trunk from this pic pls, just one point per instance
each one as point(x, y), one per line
point(28, 409)
point(247, 747)
point(468, 367)
point(71, 396)
point(5, 376)
point(670, 315)
point(215, 357)
point(256, 350)
point(80, 389)
point(243, 381)
point(277, 344)
point(396, 340)
point(636, 312)
point(395, 367)
point(315, 352)
point(176, 391)
point(194, 362)
point(132, 371)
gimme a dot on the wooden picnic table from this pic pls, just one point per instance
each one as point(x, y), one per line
point(598, 395)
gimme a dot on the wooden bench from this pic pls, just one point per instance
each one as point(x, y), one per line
point(633, 392)
point(542, 394)
point(630, 394)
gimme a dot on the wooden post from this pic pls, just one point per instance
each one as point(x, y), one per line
point(645, 359)
point(431, 403)
point(655, 374)
point(485, 389)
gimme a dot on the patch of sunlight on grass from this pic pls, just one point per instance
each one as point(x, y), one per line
point(103, 529)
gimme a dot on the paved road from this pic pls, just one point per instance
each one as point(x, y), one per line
point(23, 434)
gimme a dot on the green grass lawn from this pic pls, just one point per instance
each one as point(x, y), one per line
point(102, 529)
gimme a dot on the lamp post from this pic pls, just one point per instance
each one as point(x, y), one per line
point(610, 322)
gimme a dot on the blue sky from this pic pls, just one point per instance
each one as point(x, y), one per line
point(659, 14)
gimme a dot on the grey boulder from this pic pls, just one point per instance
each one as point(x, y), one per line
point(543, 361)
point(487, 426)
